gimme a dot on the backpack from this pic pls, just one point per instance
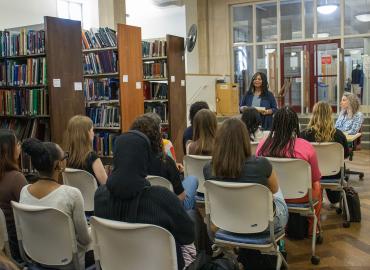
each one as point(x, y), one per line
point(333, 196)
point(297, 227)
point(254, 259)
point(354, 205)
point(220, 264)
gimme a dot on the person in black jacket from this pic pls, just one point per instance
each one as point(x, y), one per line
point(128, 196)
point(321, 129)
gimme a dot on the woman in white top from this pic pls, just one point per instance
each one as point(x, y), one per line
point(350, 118)
point(49, 160)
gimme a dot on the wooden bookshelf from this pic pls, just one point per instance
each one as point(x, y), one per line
point(176, 94)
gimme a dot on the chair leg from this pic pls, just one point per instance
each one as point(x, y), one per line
point(314, 259)
point(347, 223)
point(283, 260)
point(278, 260)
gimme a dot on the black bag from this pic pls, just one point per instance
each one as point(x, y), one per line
point(297, 227)
point(254, 259)
point(333, 196)
point(220, 264)
point(354, 206)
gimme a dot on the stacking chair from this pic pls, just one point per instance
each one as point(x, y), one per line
point(85, 182)
point(331, 161)
point(295, 182)
point(132, 246)
point(254, 147)
point(159, 181)
point(193, 165)
point(4, 240)
point(243, 214)
point(46, 235)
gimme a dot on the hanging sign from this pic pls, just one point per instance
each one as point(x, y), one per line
point(326, 59)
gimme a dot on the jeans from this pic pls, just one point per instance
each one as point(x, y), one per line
point(190, 184)
point(281, 211)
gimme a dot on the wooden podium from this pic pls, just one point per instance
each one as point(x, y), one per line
point(227, 99)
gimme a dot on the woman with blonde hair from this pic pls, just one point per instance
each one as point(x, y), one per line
point(78, 142)
point(205, 127)
point(350, 118)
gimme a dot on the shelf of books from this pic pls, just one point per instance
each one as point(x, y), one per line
point(164, 86)
point(107, 57)
point(29, 61)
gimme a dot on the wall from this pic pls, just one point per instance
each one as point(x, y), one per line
point(156, 22)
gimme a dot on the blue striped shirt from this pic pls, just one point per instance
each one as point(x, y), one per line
point(348, 125)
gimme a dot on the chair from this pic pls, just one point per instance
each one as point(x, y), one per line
point(193, 165)
point(4, 240)
point(330, 157)
point(353, 146)
point(159, 181)
point(85, 182)
point(132, 246)
point(46, 235)
point(254, 147)
point(295, 182)
point(243, 214)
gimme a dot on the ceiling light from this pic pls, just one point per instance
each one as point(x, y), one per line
point(364, 17)
point(322, 35)
point(327, 9)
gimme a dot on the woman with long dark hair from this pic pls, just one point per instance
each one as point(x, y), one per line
point(11, 183)
point(259, 96)
point(252, 120)
point(283, 142)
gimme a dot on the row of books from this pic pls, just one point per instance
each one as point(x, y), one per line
point(28, 73)
point(101, 89)
point(23, 102)
point(25, 42)
point(100, 62)
point(99, 38)
point(156, 48)
point(104, 143)
point(28, 128)
point(105, 116)
point(155, 69)
point(155, 90)
point(157, 107)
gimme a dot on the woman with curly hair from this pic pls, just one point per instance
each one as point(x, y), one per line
point(350, 118)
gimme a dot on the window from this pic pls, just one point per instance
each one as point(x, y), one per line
point(291, 19)
point(266, 22)
point(69, 10)
point(242, 24)
point(353, 23)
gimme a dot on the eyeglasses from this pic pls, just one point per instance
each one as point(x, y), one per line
point(66, 156)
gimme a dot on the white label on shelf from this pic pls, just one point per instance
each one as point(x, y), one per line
point(138, 85)
point(182, 82)
point(224, 86)
point(125, 78)
point(78, 86)
point(173, 79)
point(57, 83)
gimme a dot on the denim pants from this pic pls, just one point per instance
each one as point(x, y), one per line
point(281, 211)
point(190, 184)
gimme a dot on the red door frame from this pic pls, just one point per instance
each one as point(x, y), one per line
point(311, 50)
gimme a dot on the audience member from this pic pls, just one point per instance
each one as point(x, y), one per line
point(128, 196)
point(188, 133)
point(259, 96)
point(350, 118)
point(283, 142)
point(49, 160)
point(204, 132)
point(6, 263)
point(252, 121)
point(78, 142)
point(11, 183)
point(232, 161)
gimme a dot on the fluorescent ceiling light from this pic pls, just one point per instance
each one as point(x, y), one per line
point(364, 17)
point(327, 9)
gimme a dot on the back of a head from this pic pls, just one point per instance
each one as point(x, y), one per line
point(196, 107)
point(251, 119)
point(43, 154)
point(232, 148)
point(77, 139)
point(149, 125)
point(354, 102)
point(284, 131)
point(204, 131)
point(7, 151)
point(321, 122)
point(6, 263)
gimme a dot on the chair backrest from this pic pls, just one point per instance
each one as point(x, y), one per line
point(193, 165)
point(3, 231)
point(330, 156)
point(254, 147)
point(85, 182)
point(159, 181)
point(132, 246)
point(294, 176)
point(45, 234)
point(239, 207)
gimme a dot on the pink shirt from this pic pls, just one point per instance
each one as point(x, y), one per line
point(302, 150)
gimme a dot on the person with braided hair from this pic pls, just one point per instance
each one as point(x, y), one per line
point(284, 142)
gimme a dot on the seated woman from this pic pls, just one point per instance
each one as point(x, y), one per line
point(128, 196)
point(162, 165)
point(49, 160)
point(11, 183)
point(232, 162)
point(78, 142)
point(283, 142)
point(252, 120)
point(350, 118)
point(204, 127)
point(321, 129)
